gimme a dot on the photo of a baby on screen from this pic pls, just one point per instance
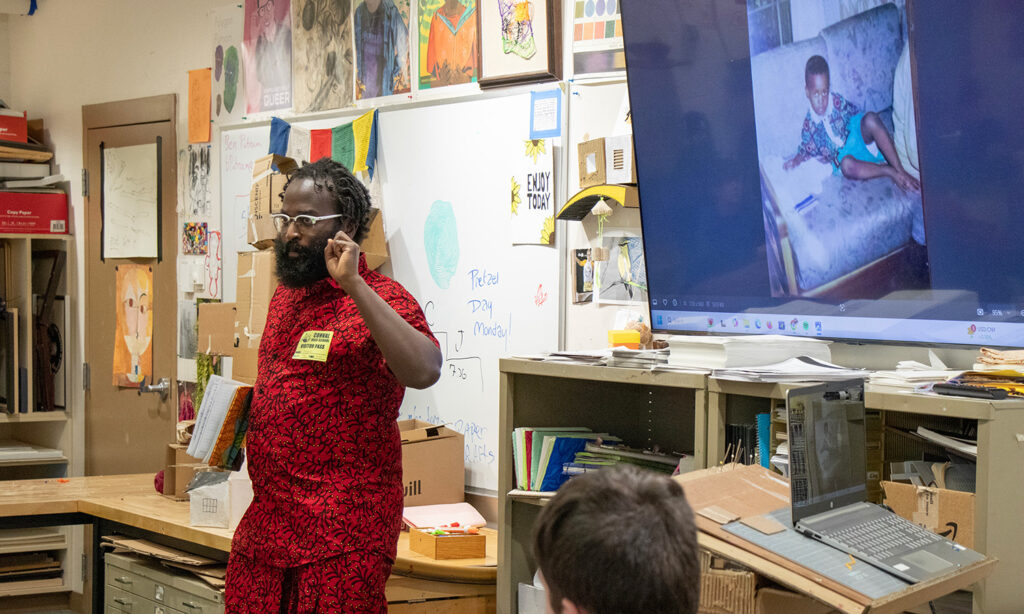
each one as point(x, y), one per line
point(834, 115)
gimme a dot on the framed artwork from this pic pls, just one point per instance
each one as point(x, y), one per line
point(520, 41)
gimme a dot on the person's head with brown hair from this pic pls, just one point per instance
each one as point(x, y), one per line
point(620, 540)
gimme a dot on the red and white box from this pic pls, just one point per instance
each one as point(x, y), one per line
point(34, 213)
point(13, 126)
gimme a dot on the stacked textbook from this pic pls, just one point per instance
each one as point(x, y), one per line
point(742, 350)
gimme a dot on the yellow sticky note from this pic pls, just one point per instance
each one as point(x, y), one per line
point(314, 345)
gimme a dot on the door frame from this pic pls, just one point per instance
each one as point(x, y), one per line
point(147, 110)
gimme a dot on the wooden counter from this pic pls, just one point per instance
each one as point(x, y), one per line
point(131, 500)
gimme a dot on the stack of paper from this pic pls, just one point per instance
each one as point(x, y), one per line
point(801, 369)
point(222, 422)
point(742, 351)
point(637, 359)
point(912, 374)
point(12, 450)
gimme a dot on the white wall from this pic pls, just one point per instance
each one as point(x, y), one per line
point(71, 54)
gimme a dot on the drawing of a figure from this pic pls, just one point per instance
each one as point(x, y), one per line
point(452, 44)
point(133, 356)
point(517, 28)
point(382, 48)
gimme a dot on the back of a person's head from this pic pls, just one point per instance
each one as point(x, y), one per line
point(620, 540)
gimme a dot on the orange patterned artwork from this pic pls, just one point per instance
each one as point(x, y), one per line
point(133, 339)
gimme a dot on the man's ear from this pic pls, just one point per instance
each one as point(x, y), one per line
point(569, 607)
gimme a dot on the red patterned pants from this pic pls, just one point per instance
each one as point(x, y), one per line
point(347, 584)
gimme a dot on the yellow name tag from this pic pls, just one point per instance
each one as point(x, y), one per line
point(314, 345)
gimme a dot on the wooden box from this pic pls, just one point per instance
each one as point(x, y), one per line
point(444, 547)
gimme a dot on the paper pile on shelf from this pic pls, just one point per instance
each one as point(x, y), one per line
point(13, 450)
point(637, 359)
point(742, 350)
point(800, 369)
point(913, 374)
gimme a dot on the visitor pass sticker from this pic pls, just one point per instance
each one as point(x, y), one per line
point(314, 345)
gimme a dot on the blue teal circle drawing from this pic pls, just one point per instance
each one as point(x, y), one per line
point(589, 8)
point(441, 241)
point(611, 7)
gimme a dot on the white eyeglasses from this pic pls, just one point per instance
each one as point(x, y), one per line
point(304, 222)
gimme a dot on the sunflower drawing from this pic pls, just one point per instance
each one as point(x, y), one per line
point(534, 148)
point(515, 197)
point(547, 231)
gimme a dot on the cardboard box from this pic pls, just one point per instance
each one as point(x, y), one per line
point(33, 213)
point(265, 197)
point(217, 328)
point(775, 601)
point(448, 547)
point(620, 164)
point(949, 513)
point(254, 287)
point(243, 365)
point(592, 162)
point(375, 243)
point(433, 465)
point(177, 477)
point(177, 455)
point(13, 125)
point(727, 591)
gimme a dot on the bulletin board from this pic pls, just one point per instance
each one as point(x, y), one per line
point(445, 173)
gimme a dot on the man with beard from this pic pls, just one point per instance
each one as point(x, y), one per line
point(324, 452)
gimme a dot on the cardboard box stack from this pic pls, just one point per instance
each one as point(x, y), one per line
point(178, 471)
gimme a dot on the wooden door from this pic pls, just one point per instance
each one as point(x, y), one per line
point(127, 431)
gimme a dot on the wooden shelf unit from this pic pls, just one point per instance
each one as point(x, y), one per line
point(644, 408)
point(998, 498)
point(49, 429)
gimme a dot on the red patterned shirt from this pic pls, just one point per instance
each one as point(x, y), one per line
point(323, 445)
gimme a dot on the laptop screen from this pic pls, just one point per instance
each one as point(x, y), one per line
point(826, 447)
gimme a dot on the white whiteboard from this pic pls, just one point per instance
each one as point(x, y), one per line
point(487, 299)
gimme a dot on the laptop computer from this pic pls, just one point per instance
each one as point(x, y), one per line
point(828, 483)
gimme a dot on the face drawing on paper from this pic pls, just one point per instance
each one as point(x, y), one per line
point(135, 301)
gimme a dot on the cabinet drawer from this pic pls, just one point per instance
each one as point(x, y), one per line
point(151, 581)
point(118, 600)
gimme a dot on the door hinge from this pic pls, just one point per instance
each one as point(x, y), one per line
point(85, 183)
point(85, 376)
point(85, 568)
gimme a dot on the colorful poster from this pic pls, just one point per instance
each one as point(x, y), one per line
point(199, 105)
point(133, 338)
point(228, 95)
point(382, 47)
point(448, 42)
point(597, 37)
point(194, 239)
point(267, 55)
point(533, 207)
point(199, 192)
point(321, 54)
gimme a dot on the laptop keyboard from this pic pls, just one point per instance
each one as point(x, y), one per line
point(884, 537)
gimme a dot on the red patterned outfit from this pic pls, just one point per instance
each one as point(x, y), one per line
point(324, 454)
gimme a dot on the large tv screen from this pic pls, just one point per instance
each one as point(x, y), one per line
point(851, 170)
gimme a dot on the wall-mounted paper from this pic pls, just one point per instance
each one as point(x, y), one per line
point(130, 201)
point(133, 347)
point(533, 207)
point(199, 105)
